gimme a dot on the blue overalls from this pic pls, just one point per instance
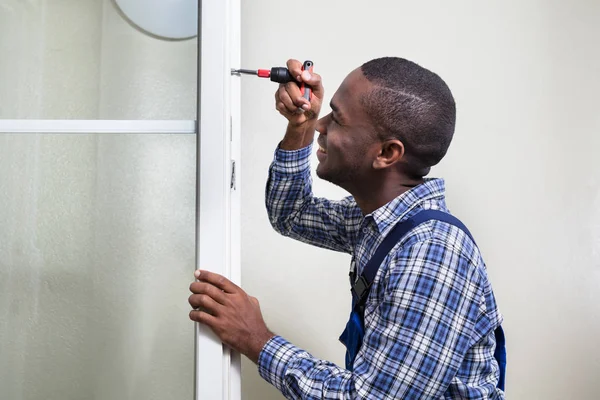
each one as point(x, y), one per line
point(353, 334)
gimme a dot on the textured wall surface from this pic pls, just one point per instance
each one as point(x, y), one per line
point(96, 231)
point(523, 171)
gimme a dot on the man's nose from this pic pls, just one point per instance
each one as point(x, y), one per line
point(322, 126)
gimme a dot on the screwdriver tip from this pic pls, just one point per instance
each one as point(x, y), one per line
point(243, 71)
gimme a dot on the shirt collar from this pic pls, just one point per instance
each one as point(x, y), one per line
point(400, 207)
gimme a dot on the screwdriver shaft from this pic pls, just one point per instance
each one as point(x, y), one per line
point(244, 71)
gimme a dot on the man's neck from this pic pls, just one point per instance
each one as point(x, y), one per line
point(373, 196)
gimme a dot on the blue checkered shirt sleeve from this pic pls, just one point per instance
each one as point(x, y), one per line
point(295, 212)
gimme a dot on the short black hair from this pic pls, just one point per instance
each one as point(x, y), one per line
point(413, 105)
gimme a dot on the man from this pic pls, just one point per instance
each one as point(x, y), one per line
point(430, 317)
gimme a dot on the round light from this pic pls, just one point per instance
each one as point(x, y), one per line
point(170, 19)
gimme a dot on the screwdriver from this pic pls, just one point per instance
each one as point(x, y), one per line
point(279, 75)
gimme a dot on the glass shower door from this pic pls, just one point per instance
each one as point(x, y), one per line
point(97, 230)
point(96, 254)
point(83, 60)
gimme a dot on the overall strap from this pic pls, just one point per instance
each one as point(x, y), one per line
point(360, 288)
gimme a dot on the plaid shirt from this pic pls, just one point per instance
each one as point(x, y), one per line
point(431, 313)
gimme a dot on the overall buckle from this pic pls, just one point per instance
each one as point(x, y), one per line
point(360, 289)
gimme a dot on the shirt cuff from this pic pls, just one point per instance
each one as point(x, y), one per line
point(292, 161)
point(274, 359)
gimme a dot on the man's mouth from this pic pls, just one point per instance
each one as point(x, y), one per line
point(322, 149)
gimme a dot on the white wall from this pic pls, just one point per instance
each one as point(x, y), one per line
point(523, 171)
point(96, 232)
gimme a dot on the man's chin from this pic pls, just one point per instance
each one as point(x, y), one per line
point(321, 173)
point(336, 179)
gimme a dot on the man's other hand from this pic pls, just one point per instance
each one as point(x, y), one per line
point(231, 313)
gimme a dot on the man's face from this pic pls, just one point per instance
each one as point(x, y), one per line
point(347, 142)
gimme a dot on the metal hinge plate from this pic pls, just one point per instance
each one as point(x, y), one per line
point(232, 186)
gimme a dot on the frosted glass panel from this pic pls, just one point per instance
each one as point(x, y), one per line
point(96, 257)
point(80, 59)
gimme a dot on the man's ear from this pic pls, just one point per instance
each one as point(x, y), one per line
point(391, 151)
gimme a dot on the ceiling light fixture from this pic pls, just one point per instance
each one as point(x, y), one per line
point(168, 19)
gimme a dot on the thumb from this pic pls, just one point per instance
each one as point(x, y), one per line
point(314, 81)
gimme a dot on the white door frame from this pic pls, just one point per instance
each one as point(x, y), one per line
point(218, 229)
point(217, 370)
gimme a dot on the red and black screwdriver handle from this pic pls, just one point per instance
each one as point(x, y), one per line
point(306, 89)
